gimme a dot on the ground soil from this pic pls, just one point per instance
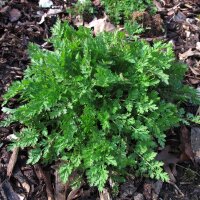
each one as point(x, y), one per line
point(177, 22)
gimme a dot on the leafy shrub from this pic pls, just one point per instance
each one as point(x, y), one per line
point(82, 7)
point(118, 11)
point(123, 9)
point(99, 105)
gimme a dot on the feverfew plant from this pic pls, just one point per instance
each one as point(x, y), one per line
point(118, 11)
point(98, 105)
point(123, 9)
point(82, 7)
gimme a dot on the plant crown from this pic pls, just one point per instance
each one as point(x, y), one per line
point(123, 9)
point(82, 7)
point(118, 11)
point(98, 105)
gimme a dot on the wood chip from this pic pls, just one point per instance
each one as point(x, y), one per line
point(186, 148)
point(15, 14)
point(60, 189)
point(158, 5)
point(22, 179)
point(8, 192)
point(104, 195)
point(198, 46)
point(194, 81)
point(168, 159)
point(43, 175)
point(74, 194)
point(101, 25)
point(195, 143)
point(195, 71)
point(12, 161)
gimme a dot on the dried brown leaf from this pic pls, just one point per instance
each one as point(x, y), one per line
point(101, 25)
point(185, 55)
point(168, 159)
point(198, 46)
point(14, 15)
point(78, 21)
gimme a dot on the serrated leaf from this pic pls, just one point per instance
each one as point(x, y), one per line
point(34, 156)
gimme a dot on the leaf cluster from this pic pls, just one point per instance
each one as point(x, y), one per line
point(82, 7)
point(119, 11)
point(123, 9)
point(98, 105)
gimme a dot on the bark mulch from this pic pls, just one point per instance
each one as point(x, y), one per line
point(177, 22)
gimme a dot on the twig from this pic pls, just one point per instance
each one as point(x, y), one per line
point(177, 188)
point(47, 181)
point(60, 189)
point(104, 195)
point(12, 161)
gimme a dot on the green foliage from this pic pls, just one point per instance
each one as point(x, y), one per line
point(190, 118)
point(82, 7)
point(133, 29)
point(99, 105)
point(118, 11)
point(123, 9)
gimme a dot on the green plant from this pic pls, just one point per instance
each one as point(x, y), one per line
point(81, 7)
point(133, 29)
point(99, 105)
point(123, 9)
point(190, 118)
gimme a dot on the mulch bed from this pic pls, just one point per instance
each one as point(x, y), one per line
point(176, 21)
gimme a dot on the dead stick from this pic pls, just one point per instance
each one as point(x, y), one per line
point(47, 181)
point(177, 188)
point(60, 190)
point(12, 161)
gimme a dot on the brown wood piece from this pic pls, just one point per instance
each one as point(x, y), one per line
point(12, 161)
